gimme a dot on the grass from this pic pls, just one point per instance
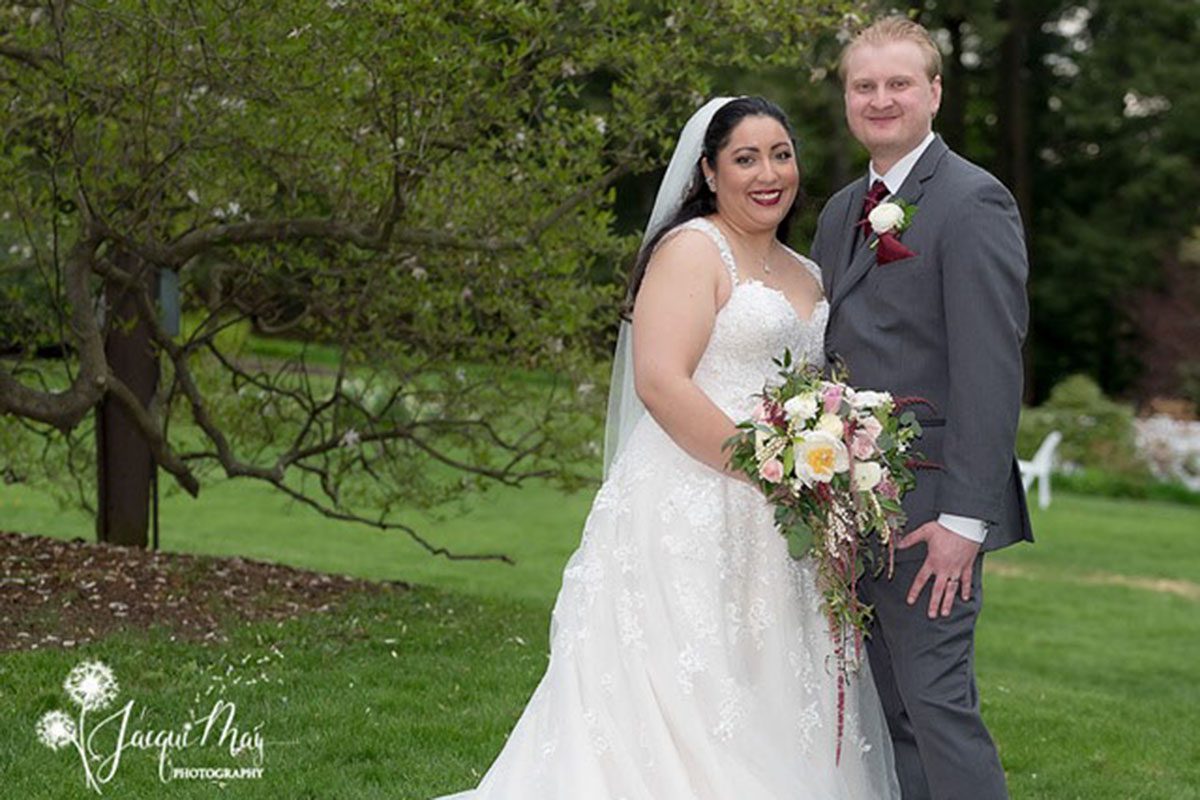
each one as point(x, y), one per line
point(385, 699)
point(1088, 651)
point(537, 527)
point(1082, 534)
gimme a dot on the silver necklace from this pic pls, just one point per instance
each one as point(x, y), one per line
point(765, 265)
point(766, 259)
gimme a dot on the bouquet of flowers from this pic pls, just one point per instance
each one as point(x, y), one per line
point(834, 461)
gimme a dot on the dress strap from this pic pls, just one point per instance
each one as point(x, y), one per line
point(713, 232)
point(807, 263)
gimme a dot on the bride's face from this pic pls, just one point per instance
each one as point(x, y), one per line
point(756, 175)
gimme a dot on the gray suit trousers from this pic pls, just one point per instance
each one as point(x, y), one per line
point(943, 750)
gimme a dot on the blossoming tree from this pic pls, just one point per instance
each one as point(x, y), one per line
point(420, 193)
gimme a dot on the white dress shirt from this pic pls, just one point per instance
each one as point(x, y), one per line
point(893, 179)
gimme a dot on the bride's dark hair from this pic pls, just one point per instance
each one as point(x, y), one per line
point(700, 200)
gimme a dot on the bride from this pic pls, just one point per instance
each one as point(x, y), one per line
point(689, 658)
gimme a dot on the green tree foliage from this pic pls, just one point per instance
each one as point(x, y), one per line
point(419, 191)
point(1088, 112)
point(1117, 171)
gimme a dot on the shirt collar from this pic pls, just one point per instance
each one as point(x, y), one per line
point(894, 178)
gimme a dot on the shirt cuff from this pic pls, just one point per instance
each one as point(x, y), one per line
point(966, 527)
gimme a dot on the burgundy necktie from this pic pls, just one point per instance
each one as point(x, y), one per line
point(875, 195)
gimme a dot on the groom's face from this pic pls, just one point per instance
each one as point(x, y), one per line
point(890, 99)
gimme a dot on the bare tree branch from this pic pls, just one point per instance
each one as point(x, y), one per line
point(577, 199)
point(65, 409)
point(183, 375)
point(30, 58)
point(151, 431)
point(376, 238)
point(382, 525)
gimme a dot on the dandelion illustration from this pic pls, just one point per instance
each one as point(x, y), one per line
point(92, 685)
point(56, 730)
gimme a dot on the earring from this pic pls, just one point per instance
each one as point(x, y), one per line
point(712, 185)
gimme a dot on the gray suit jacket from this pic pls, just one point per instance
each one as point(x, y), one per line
point(946, 325)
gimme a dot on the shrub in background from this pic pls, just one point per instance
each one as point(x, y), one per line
point(1089, 480)
point(1097, 432)
point(1100, 452)
point(1189, 382)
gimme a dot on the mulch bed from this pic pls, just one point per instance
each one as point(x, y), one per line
point(56, 593)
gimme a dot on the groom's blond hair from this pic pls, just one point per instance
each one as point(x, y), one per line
point(896, 29)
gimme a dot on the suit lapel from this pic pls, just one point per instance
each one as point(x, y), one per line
point(862, 257)
point(844, 250)
point(856, 204)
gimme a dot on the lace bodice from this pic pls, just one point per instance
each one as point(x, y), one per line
point(752, 329)
point(689, 655)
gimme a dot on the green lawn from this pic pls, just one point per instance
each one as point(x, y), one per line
point(537, 527)
point(1089, 651)
point(390, 698)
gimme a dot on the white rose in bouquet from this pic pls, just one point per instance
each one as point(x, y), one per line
point(801, 407)
point(867, 475)
point(867, 399)
point(831, 424)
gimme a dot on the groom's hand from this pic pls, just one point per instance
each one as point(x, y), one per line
point(950, 562)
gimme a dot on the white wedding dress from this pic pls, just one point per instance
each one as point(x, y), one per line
point(689, 659)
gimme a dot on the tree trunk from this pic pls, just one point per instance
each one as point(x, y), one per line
point(952, 117)
point(1013, 107)
point(1013, 165)
point(125, 466)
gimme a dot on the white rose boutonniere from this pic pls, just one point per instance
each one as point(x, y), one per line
point(891, 217)
point(888, 220)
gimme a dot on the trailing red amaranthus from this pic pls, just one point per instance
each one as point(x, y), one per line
point(834, 461)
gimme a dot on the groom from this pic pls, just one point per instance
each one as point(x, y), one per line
point(936, 310)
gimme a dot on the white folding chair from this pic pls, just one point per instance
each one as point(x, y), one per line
point(1038, 468)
